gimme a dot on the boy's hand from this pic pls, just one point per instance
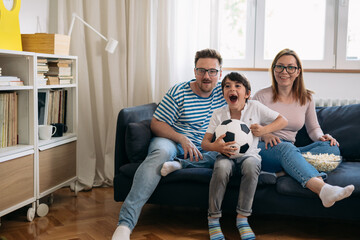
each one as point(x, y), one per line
point(257, 130)
point(223, 147)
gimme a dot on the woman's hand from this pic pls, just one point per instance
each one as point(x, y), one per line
point(328, 137)
point(270, 139)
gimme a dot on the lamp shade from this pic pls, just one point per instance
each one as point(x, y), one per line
point(111, 45)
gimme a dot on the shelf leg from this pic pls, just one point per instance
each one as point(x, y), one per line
point(31, 213)
point(74, 186)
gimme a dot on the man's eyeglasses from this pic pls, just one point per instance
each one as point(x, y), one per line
point(289, 69)
point(201, 72)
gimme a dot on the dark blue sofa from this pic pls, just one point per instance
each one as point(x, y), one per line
point(189, 187)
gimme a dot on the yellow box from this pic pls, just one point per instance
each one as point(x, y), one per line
point(46, 43)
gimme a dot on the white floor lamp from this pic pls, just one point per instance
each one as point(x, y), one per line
point(110, 46)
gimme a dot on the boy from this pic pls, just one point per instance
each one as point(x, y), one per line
point(262, 120)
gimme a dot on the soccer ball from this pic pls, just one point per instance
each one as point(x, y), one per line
point(237, 131)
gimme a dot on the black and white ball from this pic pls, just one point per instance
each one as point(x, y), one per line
point(237, 131)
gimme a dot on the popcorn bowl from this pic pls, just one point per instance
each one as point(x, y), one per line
point(323, 162)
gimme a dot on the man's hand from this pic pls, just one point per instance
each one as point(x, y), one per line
point(190, 148)
point(162, 129)
point(270, 139)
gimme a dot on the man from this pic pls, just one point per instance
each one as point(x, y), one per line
point(179, 123)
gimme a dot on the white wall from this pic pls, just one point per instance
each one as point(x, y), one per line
point(325, 85)
point(30, 12)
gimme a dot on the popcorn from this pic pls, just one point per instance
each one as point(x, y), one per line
point(323, 162)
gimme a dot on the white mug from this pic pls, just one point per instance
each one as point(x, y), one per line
point(46, 131)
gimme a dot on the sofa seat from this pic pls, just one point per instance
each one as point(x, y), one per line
point(346, 173)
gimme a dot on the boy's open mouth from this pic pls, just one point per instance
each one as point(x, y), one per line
point(233, 98)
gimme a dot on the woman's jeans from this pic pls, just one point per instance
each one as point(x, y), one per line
point(285, 156)
point(147, 177)
point(224, 168)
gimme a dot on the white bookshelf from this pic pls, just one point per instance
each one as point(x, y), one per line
point(39, 166)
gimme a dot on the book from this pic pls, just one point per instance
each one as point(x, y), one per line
point(8, 119)
point(43, 102)
point(60, 63)
point(8, 78)
point(49, 108)
point(53, 80)
point(10, 125)
point(16, 137)
point(65, 77)
point(16, 83)
point(59, 71)
point(10, 81)
point(64, 81)
point(42, 60)
point(56, 107)
point(42, 82)
point(65, 107)
point(42, 68)
point(2, 119)
point(4, 83)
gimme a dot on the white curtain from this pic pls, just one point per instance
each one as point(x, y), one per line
point(157, 44)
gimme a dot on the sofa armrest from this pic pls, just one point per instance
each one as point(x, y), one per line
point(126, 116)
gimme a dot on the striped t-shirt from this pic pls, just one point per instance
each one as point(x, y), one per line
point(186, 112)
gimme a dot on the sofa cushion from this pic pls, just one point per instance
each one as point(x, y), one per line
point(196, 175)
point(347, 173)
point(137, 140)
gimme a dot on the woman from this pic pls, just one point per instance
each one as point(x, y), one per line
point(289, 97)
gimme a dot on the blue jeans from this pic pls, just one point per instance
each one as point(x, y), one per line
point(147, 177)
point(208, 160)
point(285, 156)
point(249, 167)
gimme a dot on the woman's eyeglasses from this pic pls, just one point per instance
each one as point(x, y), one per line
point(289, 69)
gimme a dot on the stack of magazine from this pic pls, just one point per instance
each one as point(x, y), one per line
point(60, 72)
point(10, 81)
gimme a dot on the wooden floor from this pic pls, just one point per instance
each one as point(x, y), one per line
point(93, 215)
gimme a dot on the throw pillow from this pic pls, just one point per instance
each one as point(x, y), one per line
point(137, 140)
